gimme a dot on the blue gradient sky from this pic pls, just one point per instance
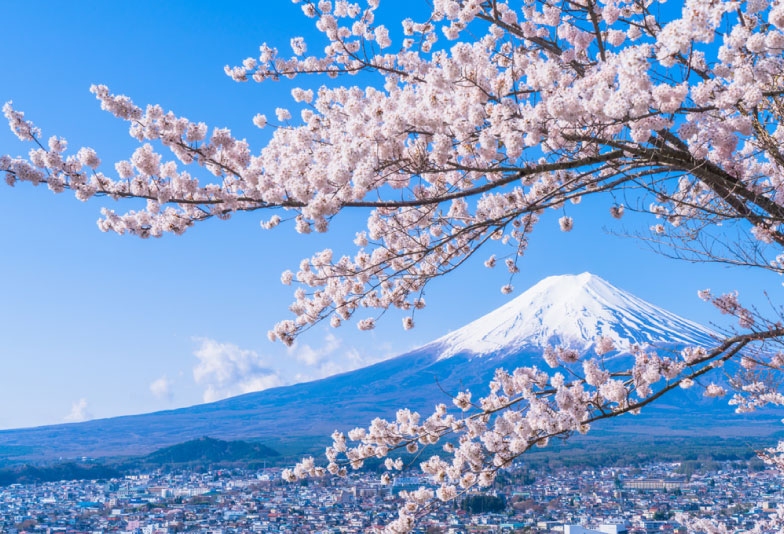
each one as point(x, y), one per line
point(88, 321)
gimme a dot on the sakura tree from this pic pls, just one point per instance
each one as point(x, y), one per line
point(482, 117)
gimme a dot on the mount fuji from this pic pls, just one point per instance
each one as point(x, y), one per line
point(570, 310)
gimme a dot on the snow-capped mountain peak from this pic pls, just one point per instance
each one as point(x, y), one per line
point(559, 309)
point(571, 310)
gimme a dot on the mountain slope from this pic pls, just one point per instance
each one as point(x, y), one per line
point(573, 310)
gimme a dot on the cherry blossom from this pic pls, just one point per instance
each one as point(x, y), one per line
point(483, 119)
point(524, 408)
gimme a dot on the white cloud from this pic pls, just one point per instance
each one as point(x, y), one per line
point(257, 383)
point(78, 412)
point(312, 357)
point(333, 363)
point(161, 388)
point(358, 359)
point(227, 370)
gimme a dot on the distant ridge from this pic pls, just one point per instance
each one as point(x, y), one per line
point(203, 453)
point(568, 309)
point(208, 450)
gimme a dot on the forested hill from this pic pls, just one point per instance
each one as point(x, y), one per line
point(210, 451)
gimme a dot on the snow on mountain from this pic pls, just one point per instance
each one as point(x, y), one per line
point(571, 310)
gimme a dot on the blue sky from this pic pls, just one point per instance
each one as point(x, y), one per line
point(96, 325)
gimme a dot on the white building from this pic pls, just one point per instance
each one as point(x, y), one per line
point(610, 528)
